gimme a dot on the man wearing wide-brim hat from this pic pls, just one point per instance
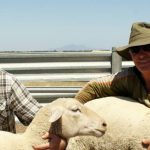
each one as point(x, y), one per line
point(132, 82)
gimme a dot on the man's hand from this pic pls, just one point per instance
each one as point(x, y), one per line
point(55, 143)
point(146, 142)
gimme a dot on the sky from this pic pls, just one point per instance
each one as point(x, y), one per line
point(64, 24)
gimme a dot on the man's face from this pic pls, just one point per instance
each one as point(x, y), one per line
point(141, 57)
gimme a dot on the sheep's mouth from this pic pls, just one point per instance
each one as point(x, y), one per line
point(99, 132)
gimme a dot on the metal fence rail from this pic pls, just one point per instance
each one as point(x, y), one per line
point(34, 68)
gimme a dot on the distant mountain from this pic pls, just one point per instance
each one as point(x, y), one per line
point(68, 48)
point(73, 47)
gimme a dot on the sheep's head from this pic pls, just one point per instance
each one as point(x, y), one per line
point(75, 119)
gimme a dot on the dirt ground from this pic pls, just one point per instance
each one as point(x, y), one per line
point(61, 84)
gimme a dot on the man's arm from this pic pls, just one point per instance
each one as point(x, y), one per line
point(22, 103)
point(98, 88)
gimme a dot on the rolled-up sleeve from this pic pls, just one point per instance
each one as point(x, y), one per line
point(22, 103)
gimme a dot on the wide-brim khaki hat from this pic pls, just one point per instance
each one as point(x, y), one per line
point(140, 35)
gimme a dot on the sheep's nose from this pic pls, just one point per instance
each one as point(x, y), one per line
point(104, 124)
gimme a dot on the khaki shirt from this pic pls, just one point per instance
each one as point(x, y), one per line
point(127, 83)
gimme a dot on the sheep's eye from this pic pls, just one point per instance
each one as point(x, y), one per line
point(76, 110)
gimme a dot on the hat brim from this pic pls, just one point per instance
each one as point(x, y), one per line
point(124, 50)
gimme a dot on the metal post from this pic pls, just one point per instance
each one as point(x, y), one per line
point(116, 61)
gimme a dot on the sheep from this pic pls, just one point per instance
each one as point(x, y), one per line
point(128, 122)
point(65, 117)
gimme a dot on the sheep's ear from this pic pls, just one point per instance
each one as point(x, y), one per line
point(55, 115)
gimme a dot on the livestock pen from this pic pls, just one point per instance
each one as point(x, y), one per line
point(49, 75)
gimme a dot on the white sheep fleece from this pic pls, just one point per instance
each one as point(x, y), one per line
point(128, 123)
point(73, 118)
